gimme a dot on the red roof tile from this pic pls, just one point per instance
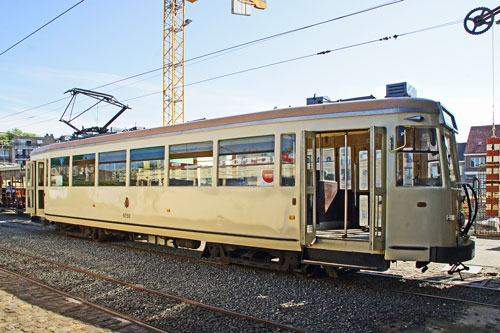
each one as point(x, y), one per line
point(476, 143)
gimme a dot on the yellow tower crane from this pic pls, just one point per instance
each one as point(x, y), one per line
point(174, 22)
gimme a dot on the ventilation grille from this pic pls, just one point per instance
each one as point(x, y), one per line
point(401, 89)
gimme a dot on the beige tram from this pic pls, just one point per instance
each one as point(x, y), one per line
point(350, 184)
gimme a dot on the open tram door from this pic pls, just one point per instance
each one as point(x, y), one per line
point(30, 188)
point(378, 151)
point(344, 186)
point(40, 183)
point(309, 187)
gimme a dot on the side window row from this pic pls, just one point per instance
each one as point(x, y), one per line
point(241, 162)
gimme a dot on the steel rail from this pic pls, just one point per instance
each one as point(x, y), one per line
point(392, 276)
point(159, 293)
point(211, 262)
point(442, 298)
point(445, 298)
point(84, 301)
point(194, 259)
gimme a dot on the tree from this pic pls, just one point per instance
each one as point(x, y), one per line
point(6, 138)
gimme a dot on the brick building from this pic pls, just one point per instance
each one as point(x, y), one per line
point(475, 152)
point(18, 151)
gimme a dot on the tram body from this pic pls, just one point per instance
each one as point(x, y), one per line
point(352, 184)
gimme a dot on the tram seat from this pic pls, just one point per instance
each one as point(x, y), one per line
point(333, 217)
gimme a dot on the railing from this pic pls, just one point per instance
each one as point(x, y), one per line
point(489, 227)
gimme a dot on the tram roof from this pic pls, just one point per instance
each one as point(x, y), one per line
point(401, 104)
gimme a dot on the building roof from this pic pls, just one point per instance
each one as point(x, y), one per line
point(461, 150)
point(476, 142)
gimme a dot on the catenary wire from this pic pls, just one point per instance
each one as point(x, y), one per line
point(261, 40)
point(304, 57)
point(221, 51)
point(325, 52)
point(43, 26)
point(297, 58)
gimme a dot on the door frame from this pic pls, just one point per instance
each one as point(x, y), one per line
point(40, 187)
point(30, 188)
point(309, 187)
point(378, 193)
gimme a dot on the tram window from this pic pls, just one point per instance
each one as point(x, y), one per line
point(112, 168)
point(41, 173)
point(59, 171)
point(29, 175)
point(363, 170)
point(147, 166)
point(418, 162)
point(246, 161)
point(83, 170)
point(288, 153)
point(450, 159)
point(191, 164)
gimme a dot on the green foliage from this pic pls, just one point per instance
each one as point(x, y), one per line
point(6, 138)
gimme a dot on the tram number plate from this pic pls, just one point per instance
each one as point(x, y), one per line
point(126, 215)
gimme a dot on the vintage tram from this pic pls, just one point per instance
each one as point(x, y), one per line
point(351, 185)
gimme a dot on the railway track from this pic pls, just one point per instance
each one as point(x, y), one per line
point(272, 295)
point(373, 274)
point(214, 309)
point(182, 255)
point(484, 285)
point(490, 284)
point(45, 295)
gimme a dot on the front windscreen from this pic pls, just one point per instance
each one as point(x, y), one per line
point(449, 120)
point(418, 162)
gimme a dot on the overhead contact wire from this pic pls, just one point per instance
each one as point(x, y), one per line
point(225, 50)
point(395, 37)
point(43, 26)
point(259, 40)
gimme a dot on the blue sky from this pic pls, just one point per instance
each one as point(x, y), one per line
point(102, 41)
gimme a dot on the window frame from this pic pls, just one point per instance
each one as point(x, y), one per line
point(294, 158)
point(410, 155)
point(161, 183)
point(87, 164)
point(125, 162)
point(477, 161)
point(68, 173)
point(235, 153)
point(195, 154)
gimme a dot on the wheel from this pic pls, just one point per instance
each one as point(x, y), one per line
point(333, 272)
point(217, 252)
point(98, 235)
point(308, 271)
point(475, 22)
point(339, 272)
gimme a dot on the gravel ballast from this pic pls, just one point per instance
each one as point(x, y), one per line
point(355, 304)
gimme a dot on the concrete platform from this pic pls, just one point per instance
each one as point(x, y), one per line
point(487, 252)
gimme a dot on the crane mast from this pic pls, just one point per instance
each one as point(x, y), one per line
point(173, 62)
point(174, 22)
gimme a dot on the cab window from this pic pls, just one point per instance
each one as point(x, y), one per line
point(418, 161)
